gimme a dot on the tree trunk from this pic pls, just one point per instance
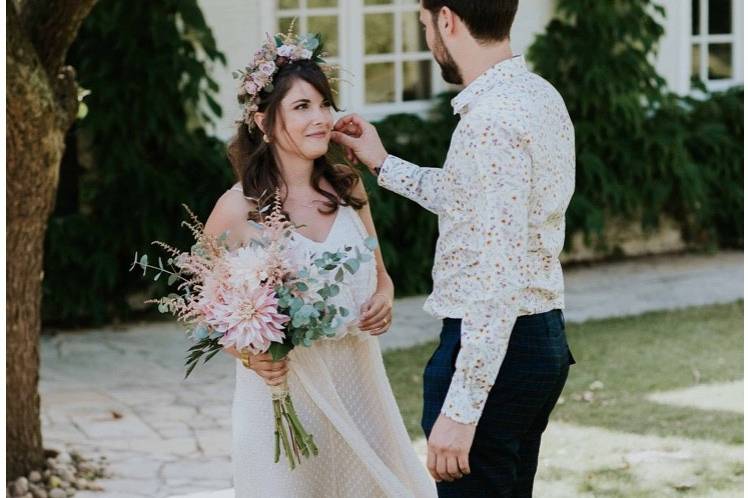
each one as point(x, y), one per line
point(41, 101)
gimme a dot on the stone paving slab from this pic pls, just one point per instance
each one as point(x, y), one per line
point(119, 391)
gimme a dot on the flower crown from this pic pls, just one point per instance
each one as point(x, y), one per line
point(276, 52)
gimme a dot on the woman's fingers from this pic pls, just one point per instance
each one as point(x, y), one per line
point(275, 380)
point(377, 320)
point(381, 330)
point(373, 308)
point(367, 310)
point(273, 366)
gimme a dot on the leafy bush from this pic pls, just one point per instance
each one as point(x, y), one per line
point(144, 151)
point(641, 151)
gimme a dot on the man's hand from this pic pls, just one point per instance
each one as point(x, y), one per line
point(360, 139)
point(448, 449)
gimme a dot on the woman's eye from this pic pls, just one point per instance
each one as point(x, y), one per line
point(302, 106)
point(326, 103)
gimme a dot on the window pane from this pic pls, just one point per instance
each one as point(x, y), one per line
point(322, 3)
point(695, 19)
point(720, 17)
point(328, 27)
point(380, 82)
point(379, 33)
point(416, 80)
point(696, 61)
point(288, 4)
point(414, 39)
point(720, 61)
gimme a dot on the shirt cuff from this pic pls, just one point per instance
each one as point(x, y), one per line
point(382, 178)
point(464, 404)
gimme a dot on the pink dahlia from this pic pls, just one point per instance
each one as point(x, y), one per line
point(249, 319)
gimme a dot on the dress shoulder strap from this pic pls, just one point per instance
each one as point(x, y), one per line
point(238, 188)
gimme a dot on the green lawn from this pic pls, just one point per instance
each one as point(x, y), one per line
point(631, 357)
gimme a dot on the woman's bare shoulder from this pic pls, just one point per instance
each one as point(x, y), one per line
point(229, 213)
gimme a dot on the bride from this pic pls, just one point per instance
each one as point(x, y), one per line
point(338, 385)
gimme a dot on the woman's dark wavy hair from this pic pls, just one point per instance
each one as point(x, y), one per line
point(255, 163)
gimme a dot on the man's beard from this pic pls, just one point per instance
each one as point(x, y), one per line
point(450, 71)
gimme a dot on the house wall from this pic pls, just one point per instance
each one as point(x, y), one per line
point(239, 27)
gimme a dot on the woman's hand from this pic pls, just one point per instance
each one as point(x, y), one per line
point(376, 315)
point(272, 372)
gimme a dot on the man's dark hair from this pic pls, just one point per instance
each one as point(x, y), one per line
point(487, 20)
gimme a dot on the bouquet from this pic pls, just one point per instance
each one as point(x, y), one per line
point(255, 299)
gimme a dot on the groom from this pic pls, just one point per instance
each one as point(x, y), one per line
point(501, 198)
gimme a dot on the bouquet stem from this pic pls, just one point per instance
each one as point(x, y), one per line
point(289, 432)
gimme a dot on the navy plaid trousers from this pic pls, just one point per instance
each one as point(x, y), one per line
point(504, 455)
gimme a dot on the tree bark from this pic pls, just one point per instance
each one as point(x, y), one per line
point(41, 101)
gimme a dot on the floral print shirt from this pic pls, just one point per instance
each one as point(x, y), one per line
point(501, 198)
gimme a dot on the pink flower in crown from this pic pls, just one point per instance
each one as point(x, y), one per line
point(260, 79)
point(250, 87)
point(267, 68)
point(249, 319)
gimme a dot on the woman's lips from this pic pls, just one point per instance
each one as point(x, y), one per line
point(321, 134)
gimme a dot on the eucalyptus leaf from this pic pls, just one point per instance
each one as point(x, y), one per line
point(352, 265)
point(370, 243)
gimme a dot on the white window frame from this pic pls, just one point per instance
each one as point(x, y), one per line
point(351, 57)
point(703, 39)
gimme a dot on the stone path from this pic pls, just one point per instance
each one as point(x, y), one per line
point(118, 392)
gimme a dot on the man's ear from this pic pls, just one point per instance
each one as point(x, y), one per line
point(259, 118)
point(447, 21)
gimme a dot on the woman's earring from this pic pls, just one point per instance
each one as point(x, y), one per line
point(266, 139)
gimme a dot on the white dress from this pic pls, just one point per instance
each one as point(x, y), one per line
point(343, 398)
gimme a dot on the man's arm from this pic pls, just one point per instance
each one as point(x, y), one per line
point(493, 275)
point(422, 185)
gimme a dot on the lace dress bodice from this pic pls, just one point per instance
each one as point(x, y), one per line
point(356, 289)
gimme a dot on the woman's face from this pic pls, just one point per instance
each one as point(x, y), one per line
point(304, 122)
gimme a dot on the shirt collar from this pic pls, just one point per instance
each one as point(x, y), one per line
point(501, 72)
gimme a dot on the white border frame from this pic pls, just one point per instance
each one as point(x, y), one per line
point(704, 39)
